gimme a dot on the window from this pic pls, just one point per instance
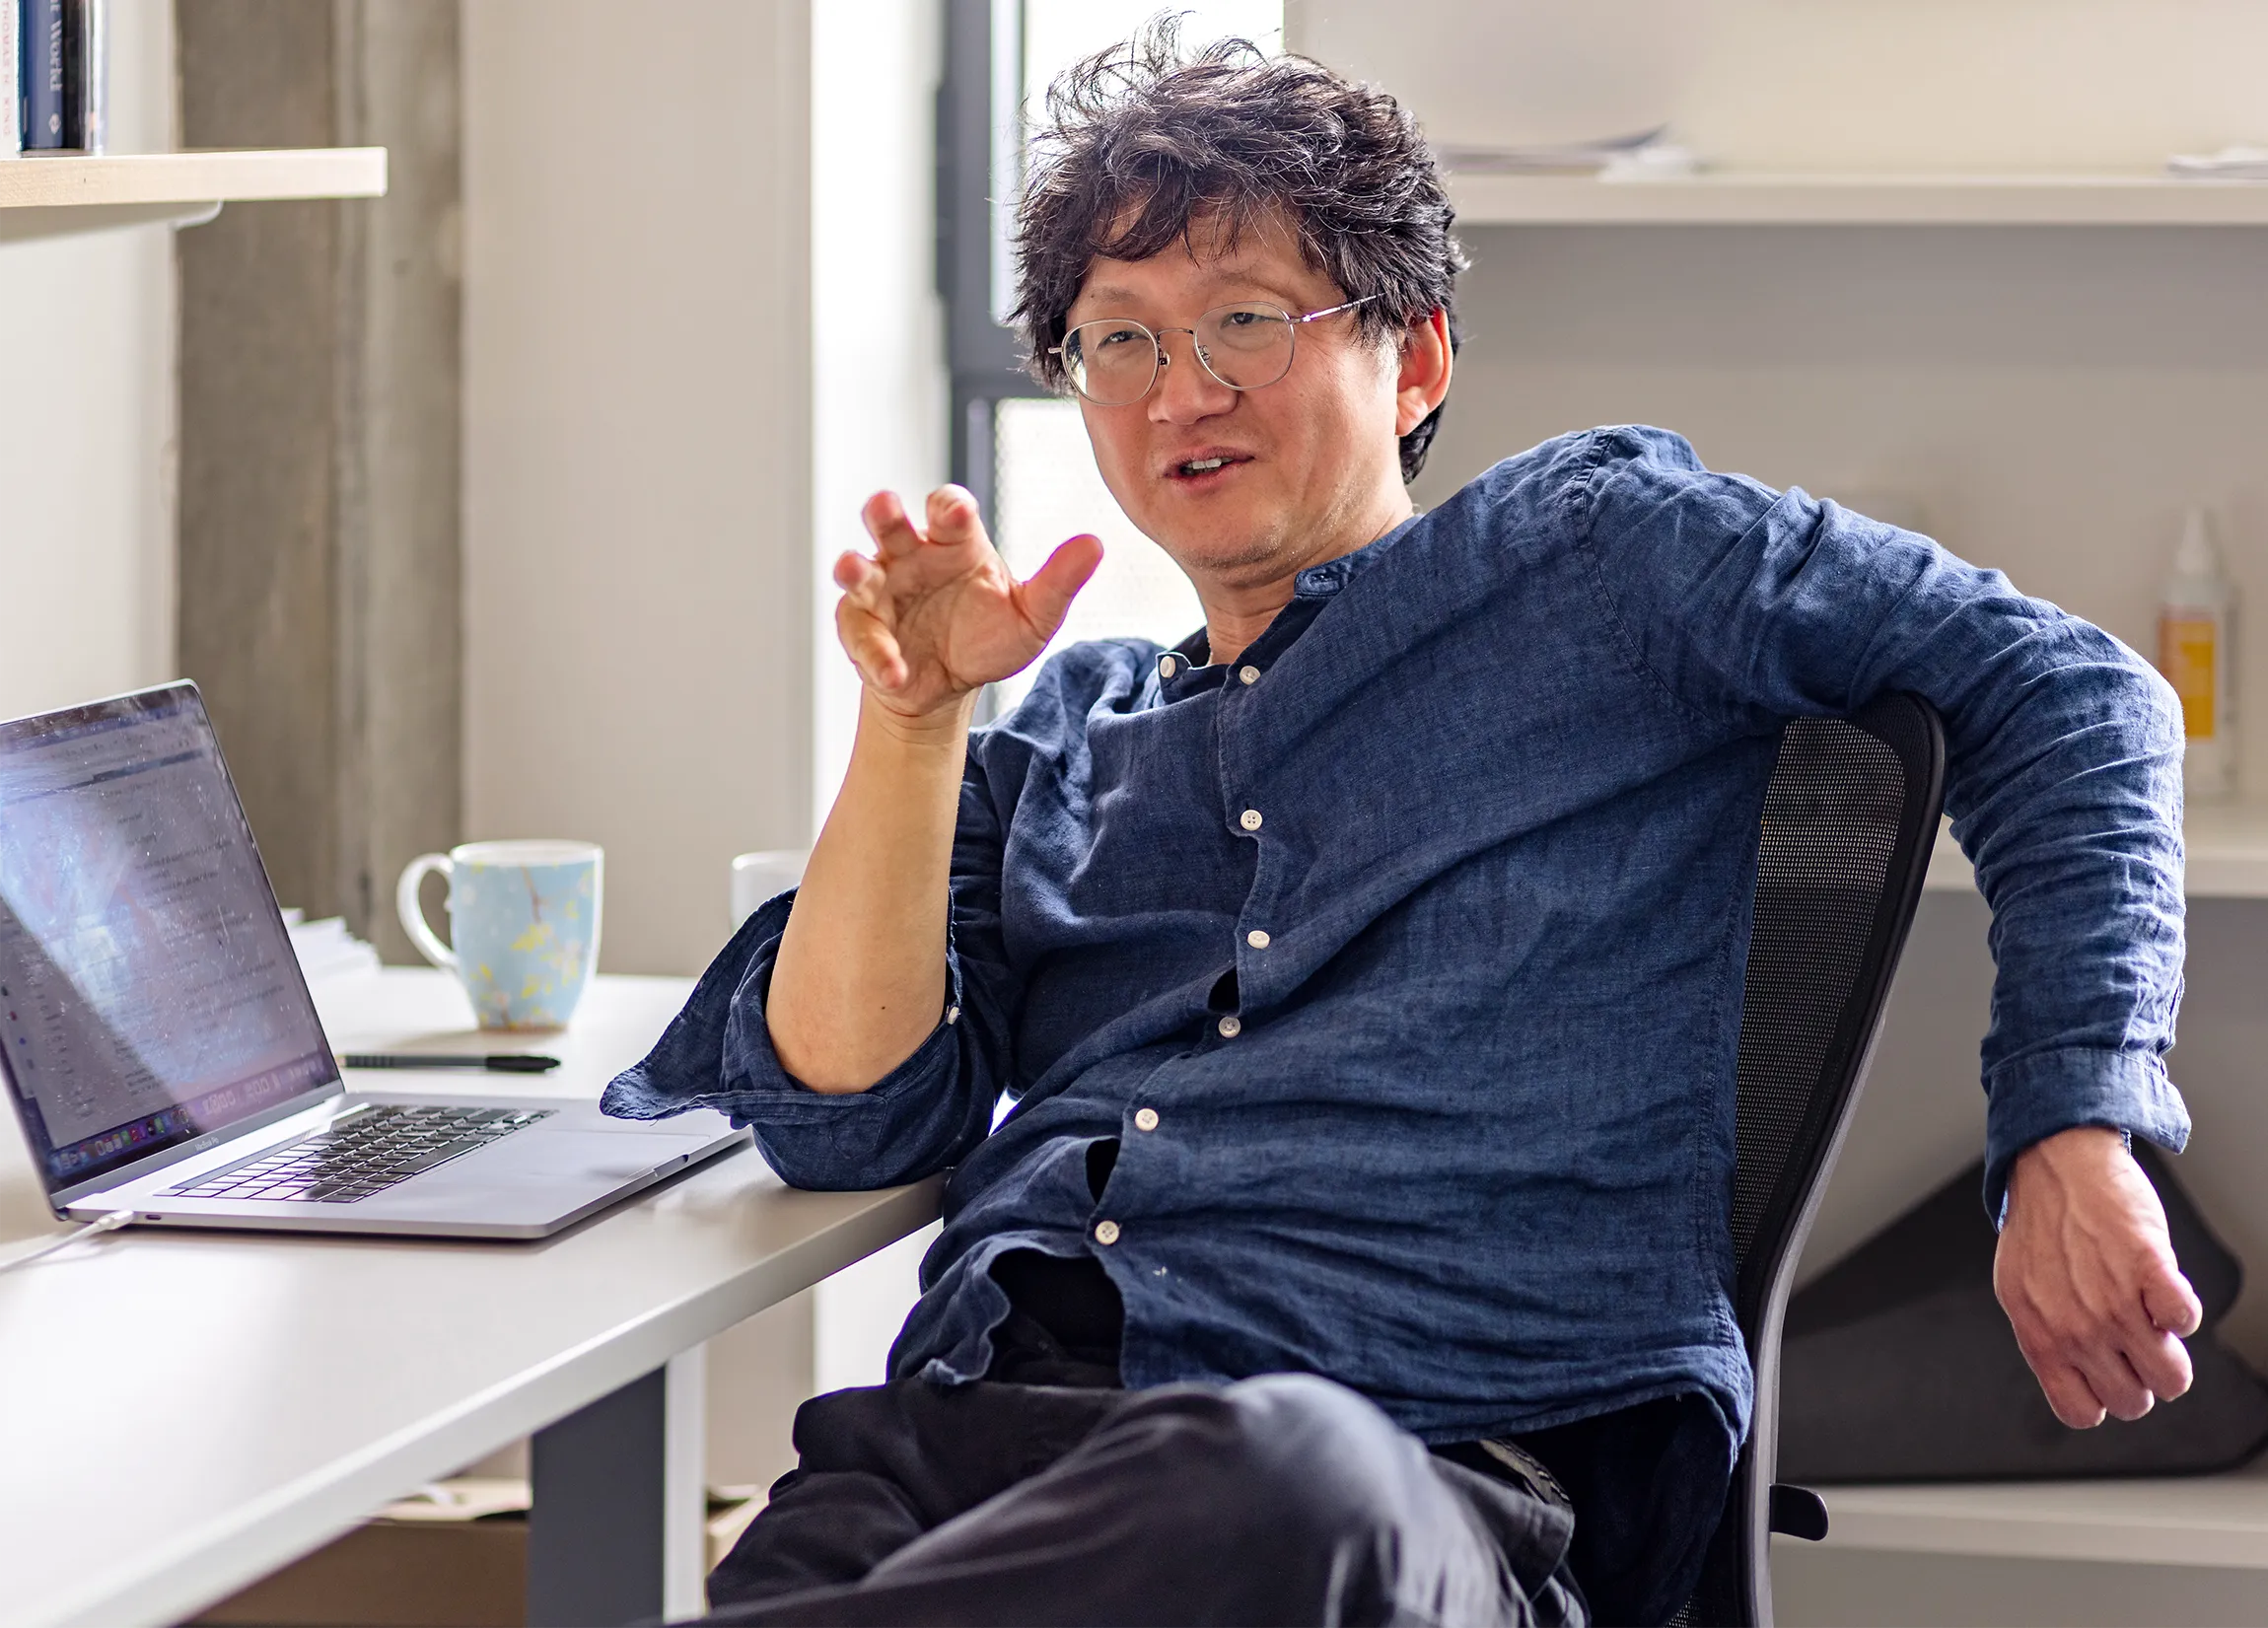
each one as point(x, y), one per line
point(1024, 453)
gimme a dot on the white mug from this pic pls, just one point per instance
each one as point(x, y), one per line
point(763, 876)
point(523, 925)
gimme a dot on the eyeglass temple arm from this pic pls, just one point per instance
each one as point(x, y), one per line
point(1334, 311)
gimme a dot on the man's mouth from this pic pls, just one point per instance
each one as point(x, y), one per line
point(1194, 468)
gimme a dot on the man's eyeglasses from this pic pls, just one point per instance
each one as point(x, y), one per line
point(1113, 361)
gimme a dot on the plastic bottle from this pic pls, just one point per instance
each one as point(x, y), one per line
point(2197, 653)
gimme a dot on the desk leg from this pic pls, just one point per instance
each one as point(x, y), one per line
point(618, 1529)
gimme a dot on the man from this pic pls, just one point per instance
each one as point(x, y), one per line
point(1367, 968)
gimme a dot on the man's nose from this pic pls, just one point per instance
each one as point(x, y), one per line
point(1185, 392)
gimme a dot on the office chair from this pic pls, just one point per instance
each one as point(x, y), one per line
point(1849, 818)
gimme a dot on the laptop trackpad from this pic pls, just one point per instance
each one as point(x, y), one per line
point(600, 1157)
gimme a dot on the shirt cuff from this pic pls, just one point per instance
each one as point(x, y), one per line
point(717, 1053)
point(2036, 1097)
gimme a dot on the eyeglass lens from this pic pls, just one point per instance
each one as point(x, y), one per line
point(1114, 362)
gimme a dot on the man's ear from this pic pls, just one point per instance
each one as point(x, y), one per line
point(1424, 372)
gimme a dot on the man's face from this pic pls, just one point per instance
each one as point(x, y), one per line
point(1309, 465)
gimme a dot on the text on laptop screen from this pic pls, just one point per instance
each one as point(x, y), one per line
point(147, 989)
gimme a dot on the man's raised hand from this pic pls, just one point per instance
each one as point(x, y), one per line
point(936, 614)
point(2086, 1272)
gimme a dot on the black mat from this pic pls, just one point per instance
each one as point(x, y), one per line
point(1898, 1365)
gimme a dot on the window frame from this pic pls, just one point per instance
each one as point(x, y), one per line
point(979, 142)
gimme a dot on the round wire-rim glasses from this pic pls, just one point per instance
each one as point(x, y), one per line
point(1113, 361)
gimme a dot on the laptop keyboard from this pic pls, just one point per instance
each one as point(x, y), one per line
point(361, 1152)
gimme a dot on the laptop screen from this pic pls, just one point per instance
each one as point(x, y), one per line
point(148, 988)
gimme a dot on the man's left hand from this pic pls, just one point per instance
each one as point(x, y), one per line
point(2086, 1275)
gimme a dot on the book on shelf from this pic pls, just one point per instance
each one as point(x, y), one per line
point(58, 51)
point(12, 65)
point(85, 69)
point(41, 42)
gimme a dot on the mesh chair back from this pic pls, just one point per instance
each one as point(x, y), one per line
point(1849, 818)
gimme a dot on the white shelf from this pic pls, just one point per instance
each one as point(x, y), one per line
point(2142, 198)
point(2225, 847)
point(48, 197)
point(2184, 1520)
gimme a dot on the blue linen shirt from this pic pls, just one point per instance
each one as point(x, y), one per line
point(1403, 959)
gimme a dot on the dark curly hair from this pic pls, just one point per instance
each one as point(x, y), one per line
point(1142, 140)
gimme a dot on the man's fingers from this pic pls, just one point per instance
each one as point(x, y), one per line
point(870, 646)
point(887, 523)
point(2115, 1384)
point(952, 517)
point(1049, 594)
point(2067, 1390)
point(2172, 1303)
point(2075, 1403)
point(860, 579)
point(2160, 1362)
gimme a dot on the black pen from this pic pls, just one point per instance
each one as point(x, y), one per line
point(495, 1062)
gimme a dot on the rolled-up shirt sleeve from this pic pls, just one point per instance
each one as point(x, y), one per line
point(919, 1118)
point(2063, 753)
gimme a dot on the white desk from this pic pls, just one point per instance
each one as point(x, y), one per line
point(184, 1412)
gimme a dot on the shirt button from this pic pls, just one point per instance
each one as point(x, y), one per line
point(1167, 665)
point(953, 1014)
point(1257, 939)
point(1249, 674)
point(1230, 1027)
point(1145, 1119)
point(1107, 1231)
point(1250, 820)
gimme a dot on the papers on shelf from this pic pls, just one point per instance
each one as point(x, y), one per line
point(2235, 162)
point(328, 953)
point(1575, 158)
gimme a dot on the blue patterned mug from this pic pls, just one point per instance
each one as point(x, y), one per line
point(523, 925)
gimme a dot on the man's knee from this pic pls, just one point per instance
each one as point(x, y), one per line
point(1309, 1460)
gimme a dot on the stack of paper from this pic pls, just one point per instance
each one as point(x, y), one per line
point(1580, 158)
point(2229, 164)
point(328, 953)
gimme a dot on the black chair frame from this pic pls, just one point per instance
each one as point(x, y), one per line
point(1850, 820)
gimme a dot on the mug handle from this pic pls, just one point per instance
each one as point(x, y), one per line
point(413, 913)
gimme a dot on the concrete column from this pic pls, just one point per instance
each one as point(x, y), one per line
point(320, 387)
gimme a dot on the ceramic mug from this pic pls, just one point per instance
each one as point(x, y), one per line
point(522, 925)
point(759, 877)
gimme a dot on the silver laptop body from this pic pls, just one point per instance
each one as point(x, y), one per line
point(160, 1046)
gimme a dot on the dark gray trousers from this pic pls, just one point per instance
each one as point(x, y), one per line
point(1285, 1499)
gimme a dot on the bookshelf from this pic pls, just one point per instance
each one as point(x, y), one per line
point(1734, 198)
point(2175, 1521)
point(48, 197)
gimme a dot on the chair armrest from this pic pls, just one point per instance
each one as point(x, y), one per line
point(1798, 1512)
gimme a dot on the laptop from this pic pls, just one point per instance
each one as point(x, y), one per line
point(160, 1046)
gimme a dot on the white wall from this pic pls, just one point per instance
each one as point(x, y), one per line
point(879, 399)
point(1822, 85)
point(1959, 85)
point(87, 448)
point(638, 445)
